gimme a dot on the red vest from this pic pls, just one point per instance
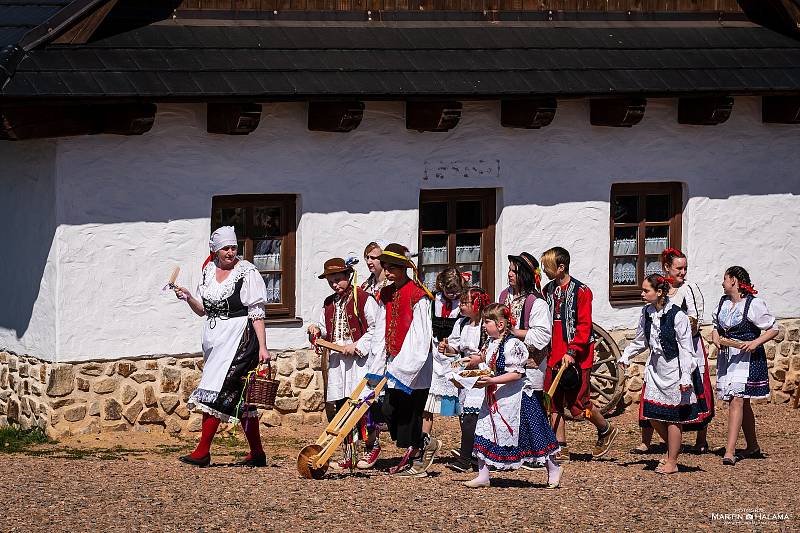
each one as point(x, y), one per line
point(399, 313)
point(357, 324)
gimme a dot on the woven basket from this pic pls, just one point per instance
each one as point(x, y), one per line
point(261, 390)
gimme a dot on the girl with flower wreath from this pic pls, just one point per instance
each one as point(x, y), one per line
point(512, 427)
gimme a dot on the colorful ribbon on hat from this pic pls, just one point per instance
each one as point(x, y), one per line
point(414, 268)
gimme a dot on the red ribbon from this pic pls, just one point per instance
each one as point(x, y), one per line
point(208, 260)
point(493, 409)
point(748, 288)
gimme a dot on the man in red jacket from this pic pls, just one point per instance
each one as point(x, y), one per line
point(573, 344)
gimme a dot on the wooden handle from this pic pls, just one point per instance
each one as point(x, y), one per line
point(330, 345)
point(174, 276)
point(554, 385)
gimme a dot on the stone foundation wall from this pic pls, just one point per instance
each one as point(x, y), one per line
point(139, 395)
point(151, 394)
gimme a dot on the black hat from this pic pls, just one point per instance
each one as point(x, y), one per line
point(395, 254)
point(526, 260)
point(570, 379)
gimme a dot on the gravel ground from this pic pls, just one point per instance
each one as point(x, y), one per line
point(89, 483)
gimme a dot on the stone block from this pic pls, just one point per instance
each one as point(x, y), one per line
point(171, 361)
point(311, 401)
point(149, 396)
point(92, 428)
point(13, 362)
point(13, 382)
point(24, 407)
point(142, 377)
point(781, 333)
point(92, 369)
point(284, 387)
point(36, 390)
point(94, 408)
point(111, 369)
point(794, 362)
point(61, 381)
point(58, 404)
point(82, 384)
point(186, 363)
point(55, 418)
point(778, 374)
point(169, 402)
point(174, 425)
point(301, 360)
point(106, 385)
point(132, 411)
point(128, 394)
point(780, 397)
point(23, 370)
point(786, 349)
point(313, 418)
point(75, 413)
point(112, 409)
point(189, 384)
point(200, 364)
point(170, 379)
point(271, 419)
point(13, 411)
point(126, 368)
point(302, 379)
point(285, 367)
point(293, 419)
point(771, 350)
point(3, 357)
point(42, 373)
point(195, 423)
point(791, 381)
point(793, 334)
point(630, 398)
point(182, 412)
point(3, 377)
point(151, 416)
point(316, 361)
point(151, 365)
point(782, 362)
point(287, 405)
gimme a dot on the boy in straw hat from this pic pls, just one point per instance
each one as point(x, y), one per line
point(348, 318)
point(406, 359)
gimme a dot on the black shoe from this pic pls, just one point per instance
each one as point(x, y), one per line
point(202, 462)
point(727, 461)
point(460, 466)
point(253, 462)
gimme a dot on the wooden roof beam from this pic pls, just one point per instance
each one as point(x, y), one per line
point(342, 116)
point(616, 112)
point(532, 113)
point(432, 115)
point(20, 122)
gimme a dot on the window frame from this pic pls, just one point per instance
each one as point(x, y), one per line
point(276, 313)
point(631, 294)
point(488, 199)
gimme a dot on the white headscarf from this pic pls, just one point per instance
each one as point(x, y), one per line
point(222, 237)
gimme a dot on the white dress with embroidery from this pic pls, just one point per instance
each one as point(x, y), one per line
point(221, 336)
point(466, 342)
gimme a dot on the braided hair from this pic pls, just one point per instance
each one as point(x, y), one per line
point(741, 275)
point(660, 283)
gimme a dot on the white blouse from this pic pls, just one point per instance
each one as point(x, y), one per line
point(695, 304)
point(758, 314)
point(253, 293)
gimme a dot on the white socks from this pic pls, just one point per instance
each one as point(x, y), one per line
point(483, 472)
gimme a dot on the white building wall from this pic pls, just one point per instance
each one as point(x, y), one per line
point(130, 208)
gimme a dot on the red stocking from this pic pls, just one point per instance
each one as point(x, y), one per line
point(251, 431)
point(210, 425)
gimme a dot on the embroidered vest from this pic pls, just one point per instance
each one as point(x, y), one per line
point(744, 330)
point(399, 305)
point(568, 310)
point(356, 324)
point(669, 342)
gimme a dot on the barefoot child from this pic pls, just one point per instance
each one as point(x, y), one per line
point(467, 340)
point(512, 428)
point(669, 399)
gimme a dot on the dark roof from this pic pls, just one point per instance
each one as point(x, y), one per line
point(270, 60)
point(18, 17)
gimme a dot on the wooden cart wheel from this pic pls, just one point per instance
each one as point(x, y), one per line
point(607, 385)
point(305, 461)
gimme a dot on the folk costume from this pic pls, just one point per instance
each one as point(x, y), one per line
point(671, 365)
point(346, 319)
point(531, 312)
point(405, 358)
point(230, 350)
point(230, 345)
point(689, 298)
point(443, 395)
point(739, 373)
point(512, 427)
point(571, 309)
point(467, 340)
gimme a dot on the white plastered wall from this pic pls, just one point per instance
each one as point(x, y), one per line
point(130, 208)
